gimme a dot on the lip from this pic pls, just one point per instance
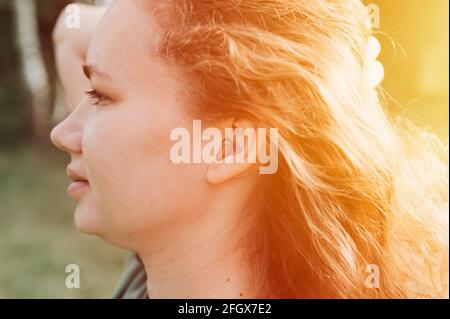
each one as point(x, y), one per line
point(79, 186)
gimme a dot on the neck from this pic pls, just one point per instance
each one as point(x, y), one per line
point(202, 259)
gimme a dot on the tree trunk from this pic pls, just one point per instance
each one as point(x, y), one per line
point(33, 67)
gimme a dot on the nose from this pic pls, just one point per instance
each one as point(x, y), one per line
point(67, 135)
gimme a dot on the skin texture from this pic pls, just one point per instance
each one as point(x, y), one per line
point(186, 229)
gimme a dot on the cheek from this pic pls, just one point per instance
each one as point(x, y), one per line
point(133, 182)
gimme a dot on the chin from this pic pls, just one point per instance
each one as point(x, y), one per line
point(86, 222)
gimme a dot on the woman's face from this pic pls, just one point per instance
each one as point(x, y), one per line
point(118, 138)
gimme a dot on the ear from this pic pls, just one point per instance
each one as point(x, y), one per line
point(238, 152)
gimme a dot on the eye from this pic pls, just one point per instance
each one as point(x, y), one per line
point(97, 98)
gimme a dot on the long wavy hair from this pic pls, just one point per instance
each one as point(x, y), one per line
point(355, 189)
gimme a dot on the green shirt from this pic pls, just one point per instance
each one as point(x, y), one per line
point(133, 282)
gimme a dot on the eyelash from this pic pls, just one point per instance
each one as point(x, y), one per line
point(96, 97)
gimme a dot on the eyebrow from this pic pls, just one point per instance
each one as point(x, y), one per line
point(89, 70)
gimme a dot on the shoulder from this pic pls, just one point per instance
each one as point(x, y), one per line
point(133, 281)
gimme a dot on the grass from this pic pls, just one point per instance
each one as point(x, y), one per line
point(37, 235)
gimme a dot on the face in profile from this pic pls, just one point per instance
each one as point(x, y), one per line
point(118, 136)
point(343, 194)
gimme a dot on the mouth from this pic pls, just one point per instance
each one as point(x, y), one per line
point(79, 184)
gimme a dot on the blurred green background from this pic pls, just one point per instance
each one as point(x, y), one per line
point(37, 236)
